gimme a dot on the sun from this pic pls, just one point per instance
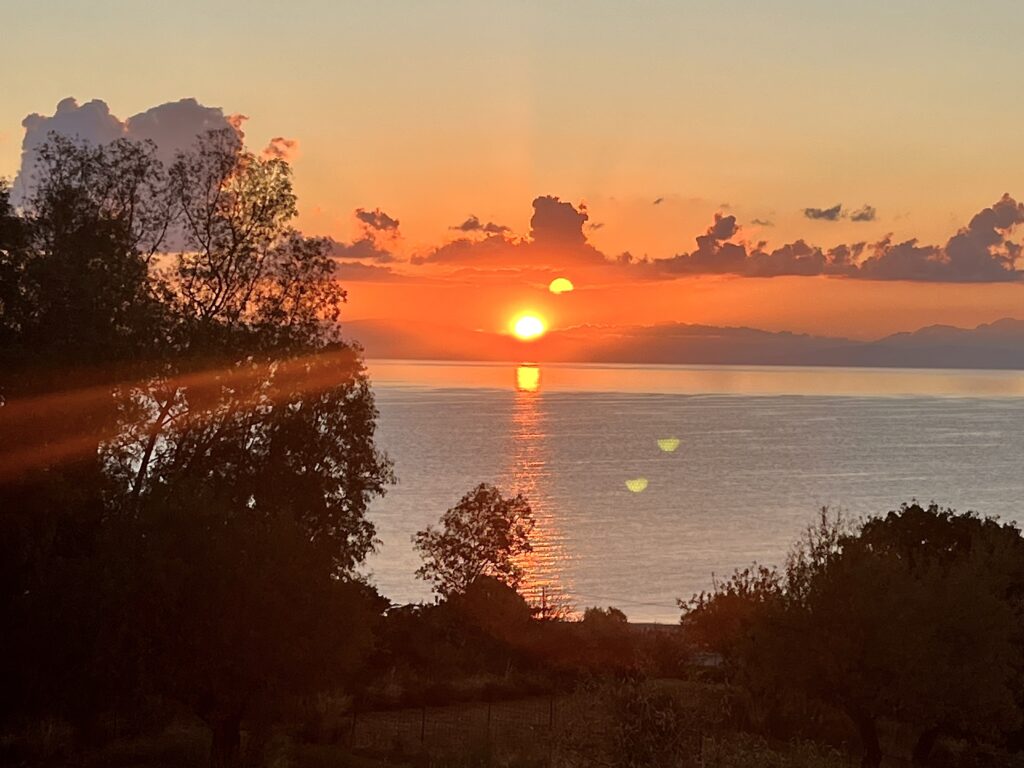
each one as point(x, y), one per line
point(528, 327)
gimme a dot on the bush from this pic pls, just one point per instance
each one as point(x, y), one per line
point(628, 725)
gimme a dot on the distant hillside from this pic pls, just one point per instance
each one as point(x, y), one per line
point(994, 345)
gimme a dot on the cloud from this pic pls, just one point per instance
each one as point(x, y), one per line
point(556, 238)
point(658, 201)
point(280, 148)
point(355, 271)
point(172, 127)
point(762, 222)
point(836, 212)
point(557, 223)
point(378, 229)
point(714, 255)
point(473, 224)
point(491, 251)
point(377, 220)
point(980, 252)
point(824, 214)
point(365, 248)
point(724, 228)
point(866, 213)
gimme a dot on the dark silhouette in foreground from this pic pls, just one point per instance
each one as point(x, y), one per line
point(187, 444)
point(910, 618)
point(186, 458)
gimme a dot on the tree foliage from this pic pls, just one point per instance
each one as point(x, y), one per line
point(484, 534)
point(912, 616)
point(209, 477)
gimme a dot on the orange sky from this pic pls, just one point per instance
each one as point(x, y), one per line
point(652, 122)
point(822, 306)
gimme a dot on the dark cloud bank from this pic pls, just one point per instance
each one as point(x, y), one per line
point(980, 252)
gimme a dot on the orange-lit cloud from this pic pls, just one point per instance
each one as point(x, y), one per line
point(280, 148)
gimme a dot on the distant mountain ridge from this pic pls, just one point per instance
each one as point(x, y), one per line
point(996, 345)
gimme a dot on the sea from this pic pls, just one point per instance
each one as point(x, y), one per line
point(648, 483)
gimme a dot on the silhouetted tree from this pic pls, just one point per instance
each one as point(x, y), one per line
point(483, 534)
point(222, 456)
point(270, 440)
point(77, 310)
point(910, 617)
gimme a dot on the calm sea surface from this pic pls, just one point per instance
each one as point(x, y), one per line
point(760, 449)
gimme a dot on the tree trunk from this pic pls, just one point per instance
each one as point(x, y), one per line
point(869, 741)
point(226, 744)
point(923, 747)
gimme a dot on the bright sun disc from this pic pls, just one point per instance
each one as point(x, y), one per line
point(528, 327)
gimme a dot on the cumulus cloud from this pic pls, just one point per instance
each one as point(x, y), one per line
point(865, 213)
point(556, 238)
point(983, 251)
point(980, 252)
point(473, 224)
point(379, 232)
point(724, 228)
point(172, 127)
point(364, 248)
point(557, 223)
point(824, 214)
point(280, 148)
point(377, 220)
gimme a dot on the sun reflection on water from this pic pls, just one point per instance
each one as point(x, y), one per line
point(544, 581)
point(527, 378)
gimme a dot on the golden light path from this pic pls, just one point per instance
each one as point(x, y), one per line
point(544, 584)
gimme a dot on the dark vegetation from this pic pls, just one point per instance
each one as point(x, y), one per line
point(186, 458)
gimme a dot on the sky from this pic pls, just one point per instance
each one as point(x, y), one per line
point(598, 140)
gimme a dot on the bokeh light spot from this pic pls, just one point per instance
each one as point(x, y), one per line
point(668, 444)
point(561, 285)
point(637, 484)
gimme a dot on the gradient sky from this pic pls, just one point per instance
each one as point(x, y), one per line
point(435, 111)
